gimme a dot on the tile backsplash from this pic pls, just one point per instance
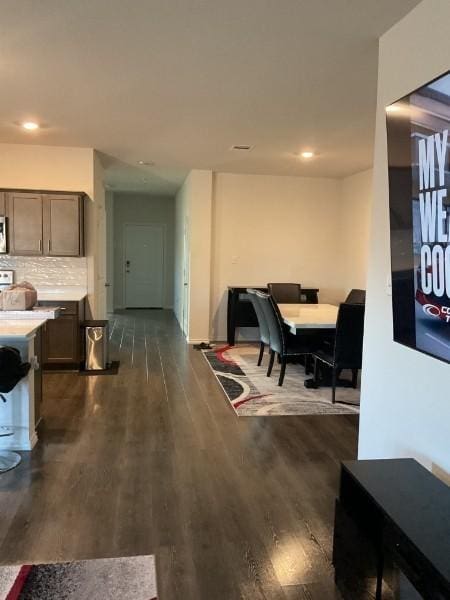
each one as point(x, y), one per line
point(47, 271)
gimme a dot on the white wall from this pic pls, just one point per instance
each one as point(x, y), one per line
point(405, 407)
point(64, 169)
point(272, 228)
point(193, 208)
point(355, 209)
point(95, 243)
point(181, 211)
point(47, 168)
point(143, 208)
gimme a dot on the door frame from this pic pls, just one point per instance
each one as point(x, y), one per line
point(163, 227)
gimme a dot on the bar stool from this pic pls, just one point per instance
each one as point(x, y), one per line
point(12, 370)
point(8, 460)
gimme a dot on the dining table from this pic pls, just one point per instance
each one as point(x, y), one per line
point(301, 317)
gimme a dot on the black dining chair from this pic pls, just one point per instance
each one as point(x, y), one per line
point(285, 293)
point(282, 342)
point(348, 345)
point(356, 296)
point(264, 335)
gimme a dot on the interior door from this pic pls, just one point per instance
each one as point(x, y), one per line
point(25, 224)
point(144, 266)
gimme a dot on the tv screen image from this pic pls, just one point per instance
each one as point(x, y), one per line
point(419, 207)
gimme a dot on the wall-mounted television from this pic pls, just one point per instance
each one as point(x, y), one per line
point(419, 206)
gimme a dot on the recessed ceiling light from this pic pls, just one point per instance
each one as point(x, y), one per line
point(307, 154)
point(244, 147)
point(30, 125)
point(392, 108)
point(147, 163)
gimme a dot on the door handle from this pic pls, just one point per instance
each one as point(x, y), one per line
point(107, 285)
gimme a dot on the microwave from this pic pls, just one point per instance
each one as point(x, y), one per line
point(3, 235)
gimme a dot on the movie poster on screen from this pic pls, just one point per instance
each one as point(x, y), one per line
point(419, 201)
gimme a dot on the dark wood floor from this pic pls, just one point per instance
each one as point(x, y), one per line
point(154, 461)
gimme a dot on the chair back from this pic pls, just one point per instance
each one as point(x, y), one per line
point(285, 293)
point(349, 336)
point(262, 323)
point(356, 297)
point(274, 322)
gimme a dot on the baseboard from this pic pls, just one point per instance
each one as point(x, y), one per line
point(190, 341)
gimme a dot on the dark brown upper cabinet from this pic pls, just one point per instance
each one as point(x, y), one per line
point(45, 224)
point(63, 225)
point(2, 204)
point(24, 212)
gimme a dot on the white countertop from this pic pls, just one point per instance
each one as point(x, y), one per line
point(16, 328)
point(309, 316)
point(64, 293)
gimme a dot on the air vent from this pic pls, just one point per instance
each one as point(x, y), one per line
point(243, 147)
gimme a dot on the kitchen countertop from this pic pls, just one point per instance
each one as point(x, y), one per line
point(16, 328)
point(66, 294)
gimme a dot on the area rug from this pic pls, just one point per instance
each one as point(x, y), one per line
point(251, 393)
point(132, 578)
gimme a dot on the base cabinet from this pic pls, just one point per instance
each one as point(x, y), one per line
point(38, 378)
point(61, 344)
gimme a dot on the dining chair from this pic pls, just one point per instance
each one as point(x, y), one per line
point(282, 343)
point(285, 293)
point(356, 297)
point(264, 335)
point(348, 345)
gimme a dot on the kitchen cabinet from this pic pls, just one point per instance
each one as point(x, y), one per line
point(44, 223)
point(2, 204)
point(61, 343)
point(63, 225)
point(38, 378)
point(24, 212)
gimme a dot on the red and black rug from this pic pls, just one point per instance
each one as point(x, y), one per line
point(132, 578)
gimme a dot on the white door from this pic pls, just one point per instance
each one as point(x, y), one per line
point(144, 266)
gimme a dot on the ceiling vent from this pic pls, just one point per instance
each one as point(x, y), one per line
point(243, 147)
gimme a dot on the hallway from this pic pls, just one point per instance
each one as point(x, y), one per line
point(154, 461)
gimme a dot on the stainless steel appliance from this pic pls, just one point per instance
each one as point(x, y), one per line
point(96, 348)
point(3, 236)
point(6, 278)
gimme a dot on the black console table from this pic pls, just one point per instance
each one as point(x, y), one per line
point(392, 529)
point(240, 310)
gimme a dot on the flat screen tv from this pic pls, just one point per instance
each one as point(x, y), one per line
point(419, 207)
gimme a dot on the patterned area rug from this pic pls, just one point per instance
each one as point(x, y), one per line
point(132, 578)
point(251, 393)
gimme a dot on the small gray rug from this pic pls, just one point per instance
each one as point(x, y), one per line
point(131, 577)
point(252, 393)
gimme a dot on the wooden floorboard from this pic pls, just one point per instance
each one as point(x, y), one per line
point(155, 461)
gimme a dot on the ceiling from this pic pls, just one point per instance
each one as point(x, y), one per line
point(178, 82)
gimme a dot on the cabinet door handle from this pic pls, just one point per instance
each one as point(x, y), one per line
point(40, 245)
point(49, 246)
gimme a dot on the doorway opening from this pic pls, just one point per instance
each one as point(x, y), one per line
point(140, 251)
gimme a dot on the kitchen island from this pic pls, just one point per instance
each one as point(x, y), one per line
point(20, 412)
